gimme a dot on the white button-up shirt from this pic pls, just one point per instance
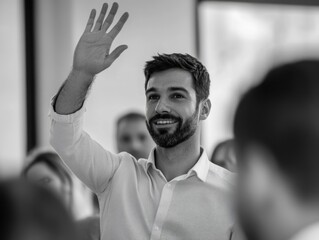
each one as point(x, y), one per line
point(136, 201)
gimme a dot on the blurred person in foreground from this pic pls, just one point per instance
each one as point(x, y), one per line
point(277, 128)
point(224, 155)
point(132, 135)
point(31, 212)
point(175, 194)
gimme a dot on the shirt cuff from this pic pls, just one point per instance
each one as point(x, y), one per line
point(69, 118)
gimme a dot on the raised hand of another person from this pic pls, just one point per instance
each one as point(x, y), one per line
point(92, 54)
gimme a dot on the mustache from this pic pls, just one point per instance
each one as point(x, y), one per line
point(164, 116)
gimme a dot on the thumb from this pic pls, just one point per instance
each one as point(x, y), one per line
point(115, 54)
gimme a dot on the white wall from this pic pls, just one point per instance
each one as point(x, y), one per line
point(12, 91)
point(154, 27)
point(54, 35)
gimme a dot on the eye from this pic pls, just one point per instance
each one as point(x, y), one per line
point(45, 180)
point(142, 137)
point(153, 97)
point(126, 139)
point(177, 96)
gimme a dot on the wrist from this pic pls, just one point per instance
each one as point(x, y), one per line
point(82, 73)
point(82, 76)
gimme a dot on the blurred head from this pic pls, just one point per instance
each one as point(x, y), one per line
point(132, 135)
point(31, 212)
point(224, 155)
point(177, 90)
point(48, 170)
point(277, 129)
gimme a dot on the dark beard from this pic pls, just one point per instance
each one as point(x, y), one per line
point(182, 133)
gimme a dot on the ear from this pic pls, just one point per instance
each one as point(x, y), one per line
point(205, 109)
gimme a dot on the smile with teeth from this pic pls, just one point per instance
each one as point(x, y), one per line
point(164, 122)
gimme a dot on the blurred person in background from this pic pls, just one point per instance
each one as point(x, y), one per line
point(48, 170)
point(277, 129)
point(224, 155)
point(31, 212)
point(45, 167)
point(175, 194)
point(132, 135)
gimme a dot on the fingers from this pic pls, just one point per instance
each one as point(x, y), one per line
point(109, 19)
point(100, 25)
point(99, 21)
point(90, 22)
point(119, 25)
point(115, 54)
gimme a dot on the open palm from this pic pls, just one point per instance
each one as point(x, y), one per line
point(92, 54)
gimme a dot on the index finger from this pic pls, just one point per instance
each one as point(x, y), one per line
point(90, 22)
point(119, 25)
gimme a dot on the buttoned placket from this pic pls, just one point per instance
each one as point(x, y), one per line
point(164, 204)
point(165, 201)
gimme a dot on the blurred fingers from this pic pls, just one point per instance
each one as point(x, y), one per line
point(109, 19)
point(90, 22)
point(119, 25)
point(99, 21)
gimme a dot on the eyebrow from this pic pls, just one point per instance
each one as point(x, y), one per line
point(172, 89)
point(152, 89)
point(178, 89)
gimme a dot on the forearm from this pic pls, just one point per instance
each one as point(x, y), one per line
point(88, 160)
point(73, 92)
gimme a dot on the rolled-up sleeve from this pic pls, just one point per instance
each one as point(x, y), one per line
point(88, 160)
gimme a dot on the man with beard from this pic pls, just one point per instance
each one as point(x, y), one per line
point(176, 193)
point(277, 131)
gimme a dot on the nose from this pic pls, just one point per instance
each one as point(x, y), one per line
point(162, 107)
point(136, 145)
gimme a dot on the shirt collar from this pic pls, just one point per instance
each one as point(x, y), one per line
point(309, 233)
point(201, 167)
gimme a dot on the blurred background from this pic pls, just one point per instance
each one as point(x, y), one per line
point(237, 40)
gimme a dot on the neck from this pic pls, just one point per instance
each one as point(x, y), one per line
point(178, 160)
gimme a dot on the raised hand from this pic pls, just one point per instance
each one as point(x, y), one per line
point(92, 54)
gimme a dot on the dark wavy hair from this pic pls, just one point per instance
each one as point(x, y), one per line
point(186, 62)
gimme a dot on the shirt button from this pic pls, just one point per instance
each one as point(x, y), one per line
point(169, 185)
point(156, 228)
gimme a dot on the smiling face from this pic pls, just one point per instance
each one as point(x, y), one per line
point(171, 107)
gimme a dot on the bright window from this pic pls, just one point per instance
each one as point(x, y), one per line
point(239, 42)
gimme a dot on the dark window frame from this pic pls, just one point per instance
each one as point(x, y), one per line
point(30, 73)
